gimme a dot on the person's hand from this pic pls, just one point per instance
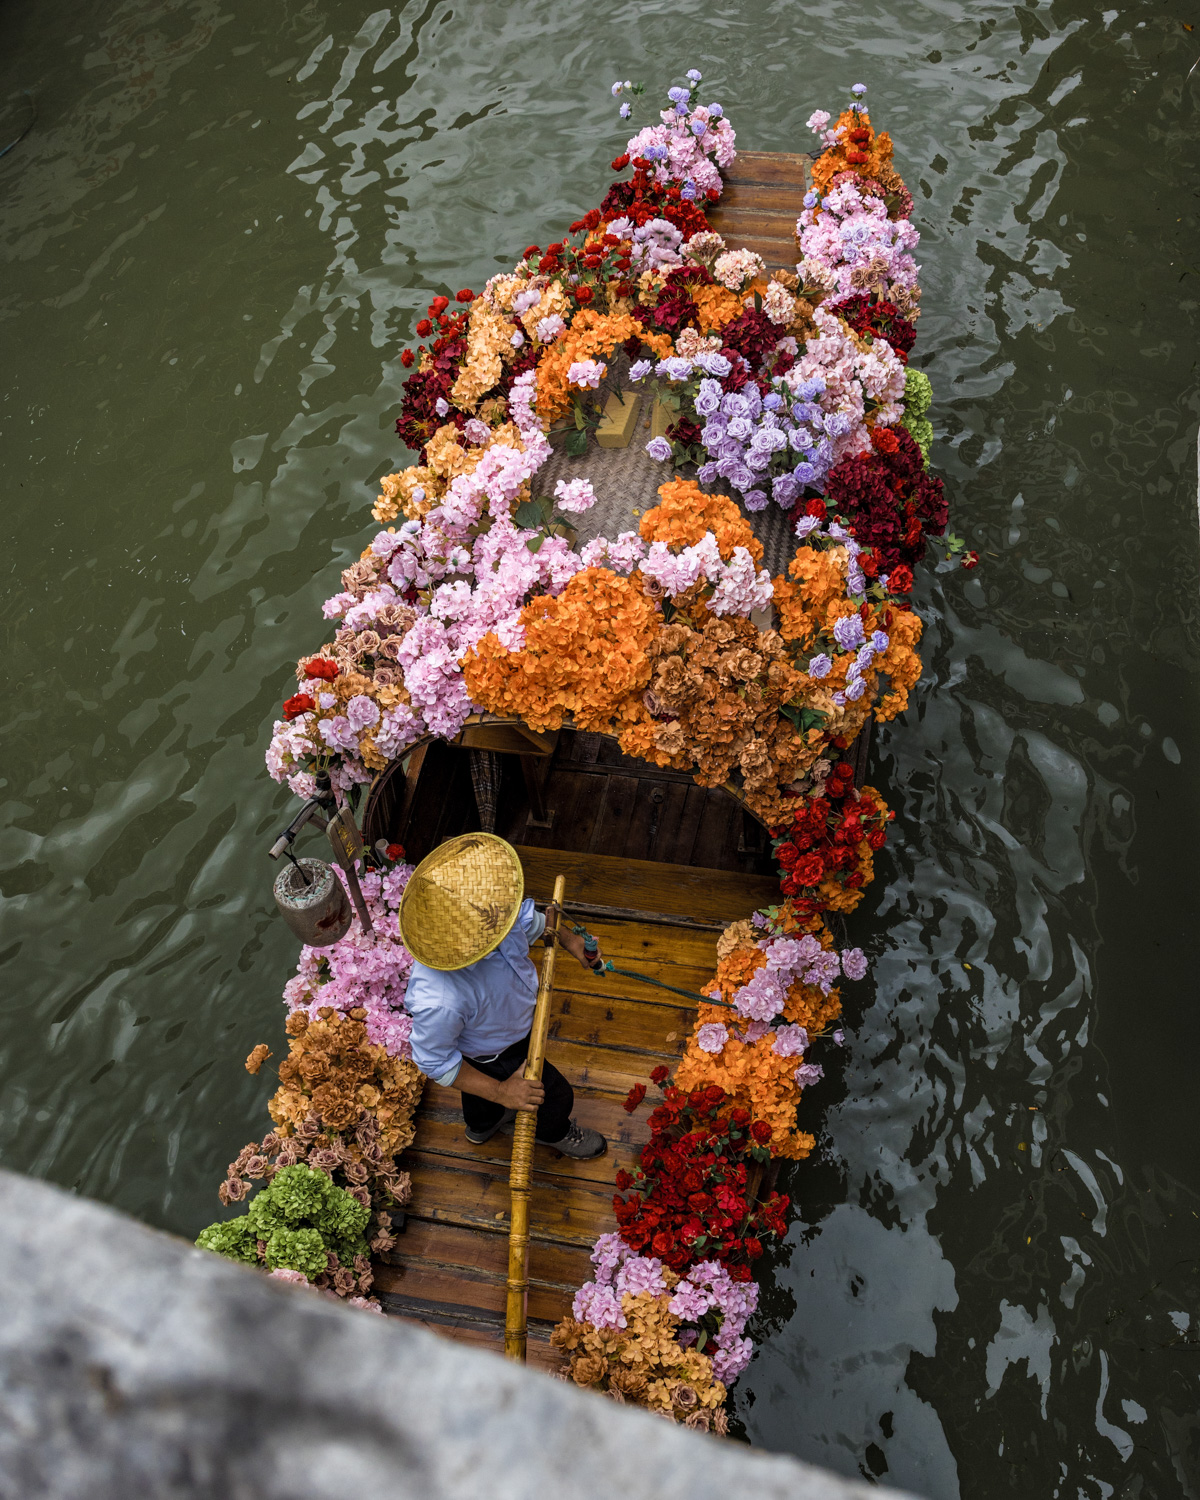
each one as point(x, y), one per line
point(521, 1093)
point(573, 943)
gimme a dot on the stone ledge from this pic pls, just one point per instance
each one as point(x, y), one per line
point(134, 1365)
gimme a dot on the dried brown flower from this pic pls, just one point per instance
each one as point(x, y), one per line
point(258, 1057)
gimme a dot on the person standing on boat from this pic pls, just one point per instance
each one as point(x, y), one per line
point(473, 988)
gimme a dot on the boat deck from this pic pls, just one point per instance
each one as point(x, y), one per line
point(606, 1034)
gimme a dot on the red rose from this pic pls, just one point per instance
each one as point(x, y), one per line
point(394, 851)
point(713, 195)
point(885, 440)
point(760, 1131)
point(816, 508)
point(635, 1096)
point(787, 855)
point(753, 1248)
point(439, 306)
point(740, 1117)
point(877, 838)
point(659, 1074)
point(624, 1181)
point(530, 250)
point(297, 704)
point(900, 580)
point(810, 870)
point(466, 295)
point(406, 359)
point(621, 162)
point(583, 294)
point(321, 666)
point(970, 560)
point(424, 328)
point(662, 1243)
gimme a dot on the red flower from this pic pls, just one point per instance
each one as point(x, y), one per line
point(658, 1074)
point(624, 1181)
point(466, 295)
point(753, 1248)
point(713, 195)
point(621, 162)
point(439, 306)
point(583, 294)
point(760, 1131)
point(635, 1096)
point(900, 580)
point(970, 560)
point(810, 870)
point(662, 1243)
point(321, 666)
point(299, 703)
point(424, 328)
point(816, 508)
point(885, 440)
point(740, 1117)
point(394, 851)
point(877, 838)
point(406, 359)
point(787, 855)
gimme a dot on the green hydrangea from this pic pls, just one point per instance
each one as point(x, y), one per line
point(236, 1239)
point(297, 1250)
point(918, 397)
point(302, 1215)
point(918, 393)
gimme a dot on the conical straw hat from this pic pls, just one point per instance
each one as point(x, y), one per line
point(461, 901)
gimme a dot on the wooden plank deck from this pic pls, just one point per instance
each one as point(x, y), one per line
point(606, 1034)
point(760, 203)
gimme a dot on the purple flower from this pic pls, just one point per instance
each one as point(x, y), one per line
point(694, 74)
point(855, 690)
point(858, 88)
point(707, 473)
point(659, 450)
point(715, 111)
point(848, 632)
point(854, 965)
point(674, 368)
point(758, 920)
point(640, 370)
point(755, 500)
point(714, 364)
point(879, 639)
point(820, 665)
point(790, 1041)
point(698, 128)
point(810, 199)
point(678, 95)
point(839, 1038)
point(362, 712)
point(625, 111)
point(712, 1037)
point(809, 1073)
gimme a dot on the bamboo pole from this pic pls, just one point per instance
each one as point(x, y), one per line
point(520, 1171)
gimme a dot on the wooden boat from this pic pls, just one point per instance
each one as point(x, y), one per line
point(655, 865)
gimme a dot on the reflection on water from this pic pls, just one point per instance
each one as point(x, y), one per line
point(215, 243)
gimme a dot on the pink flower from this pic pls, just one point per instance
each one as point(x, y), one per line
point(574, 495)
point(712, 1037)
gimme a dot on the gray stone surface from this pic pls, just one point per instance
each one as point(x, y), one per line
point(133, 1367)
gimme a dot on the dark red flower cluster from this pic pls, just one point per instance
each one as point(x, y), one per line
point(825, 839)
point(321, 667)
point(870, 314)
point(888, 500)
point(752, 334)
point(690, 1197)
point(640, 198)
point(418, 419)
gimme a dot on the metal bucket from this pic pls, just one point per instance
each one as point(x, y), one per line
point(319, 914)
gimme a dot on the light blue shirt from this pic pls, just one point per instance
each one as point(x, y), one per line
point(477, 1011)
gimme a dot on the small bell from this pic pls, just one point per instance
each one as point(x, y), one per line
point(318, 911)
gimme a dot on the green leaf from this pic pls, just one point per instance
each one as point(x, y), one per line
point(576, 444)
point(535, 542)
point(530, 513)
point(579, 417)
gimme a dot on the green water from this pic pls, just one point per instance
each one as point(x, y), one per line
point(215, 242)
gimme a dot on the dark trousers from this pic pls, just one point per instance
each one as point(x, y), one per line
point(554, 1114)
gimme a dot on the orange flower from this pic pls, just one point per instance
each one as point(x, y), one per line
point(685, 513)
point(870, 158)
point(584, 655)
point(592, 335)
point(717, 305)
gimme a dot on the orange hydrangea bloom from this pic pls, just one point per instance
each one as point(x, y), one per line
point(584, 655)
point(870, 158)
point(717, 305)
point(685, 513)
point(592, 335)
point(901, 662)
